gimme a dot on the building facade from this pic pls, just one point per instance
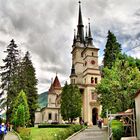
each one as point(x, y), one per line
point(51, 113)
point(137, 106)
point(85, 71)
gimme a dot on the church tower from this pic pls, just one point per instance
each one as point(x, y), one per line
point(85, 70)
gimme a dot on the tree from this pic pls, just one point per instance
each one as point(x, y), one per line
point(71, 102)
point(20, 112)
point(118, 87)
point(28, 82)
point(8, 77)
point(111, 51)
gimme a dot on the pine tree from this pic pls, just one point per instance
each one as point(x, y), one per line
point(20, 113)
point(8, 78)
point(28, 82)
point(111, 51)
point(71, 102)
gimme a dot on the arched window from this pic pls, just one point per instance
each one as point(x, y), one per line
point(50, 116)
point(96, 80)
point(92, 80)
point(92, 54)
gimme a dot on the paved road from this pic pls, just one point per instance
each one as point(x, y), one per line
point(93, 133)
point(11, 136)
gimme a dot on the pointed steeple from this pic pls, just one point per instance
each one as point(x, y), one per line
point(55, 84)
point(86, 37)
point(74, 38)
point(80, 25)
point(89, 35)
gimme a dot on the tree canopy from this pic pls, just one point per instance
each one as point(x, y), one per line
point(71, 102)
point(111, 51)
point(118, 86)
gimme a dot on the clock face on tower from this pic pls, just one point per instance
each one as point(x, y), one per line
point(92, 62)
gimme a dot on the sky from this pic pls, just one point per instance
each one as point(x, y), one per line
point(45, 28)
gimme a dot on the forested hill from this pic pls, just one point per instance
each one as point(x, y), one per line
point(43, 99)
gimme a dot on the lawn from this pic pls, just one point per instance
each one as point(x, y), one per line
point(45, 133)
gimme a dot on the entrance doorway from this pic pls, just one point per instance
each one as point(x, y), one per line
point(94, 116)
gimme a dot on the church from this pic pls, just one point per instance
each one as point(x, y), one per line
point(85, 73)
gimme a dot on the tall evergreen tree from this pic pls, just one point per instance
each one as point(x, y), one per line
point(111, 51)
point(71, 102)
point(8, 77)
point(28, 82)
point(20, 113)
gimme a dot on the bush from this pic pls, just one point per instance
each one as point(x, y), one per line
point(24, 133)
point(53, 126)
point(117, 129)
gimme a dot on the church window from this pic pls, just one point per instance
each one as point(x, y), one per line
point(96, 80)
point(92, 80)
point(92, 54)
point(85, 63)
point(50, 116)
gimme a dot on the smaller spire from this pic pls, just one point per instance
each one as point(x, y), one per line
point(74, 39)
point(86, 37)
point(89, 34)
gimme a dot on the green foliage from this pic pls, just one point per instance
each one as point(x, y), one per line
point(53, 125)
point(71, 102)
point(25, 133)
point(20, 113)
point(28, 82)
point(117, 129)
point(8, 78)
point(112, 50)
point(118, 87)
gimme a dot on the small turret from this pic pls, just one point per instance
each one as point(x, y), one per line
point(90, 42)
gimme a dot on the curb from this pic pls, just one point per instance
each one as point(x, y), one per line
point(76, 133)
point(17, 135)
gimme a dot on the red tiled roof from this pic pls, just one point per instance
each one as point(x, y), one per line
point(55, 84)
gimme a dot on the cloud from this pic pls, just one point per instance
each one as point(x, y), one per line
point(45, 28)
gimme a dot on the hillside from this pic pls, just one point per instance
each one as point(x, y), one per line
point(43, 99)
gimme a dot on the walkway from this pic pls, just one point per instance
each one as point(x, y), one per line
point(93, 133)
point(11, 136)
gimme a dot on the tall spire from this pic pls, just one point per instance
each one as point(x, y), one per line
point(80, 25)
point(89, 34)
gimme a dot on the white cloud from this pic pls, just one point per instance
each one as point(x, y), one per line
point(45, 28)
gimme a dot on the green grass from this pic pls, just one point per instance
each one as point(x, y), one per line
point(45, 133)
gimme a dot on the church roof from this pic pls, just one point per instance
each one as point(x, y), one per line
point(55, 85)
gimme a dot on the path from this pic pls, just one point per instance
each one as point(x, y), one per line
point(11, 136)
point(93, 133)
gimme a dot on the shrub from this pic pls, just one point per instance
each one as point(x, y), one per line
point(24, 133)
point(117, 129)
point(53, 126)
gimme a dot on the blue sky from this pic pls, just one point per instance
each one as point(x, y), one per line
point(45, 28)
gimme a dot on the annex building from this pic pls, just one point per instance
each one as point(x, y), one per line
point(84, 72)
